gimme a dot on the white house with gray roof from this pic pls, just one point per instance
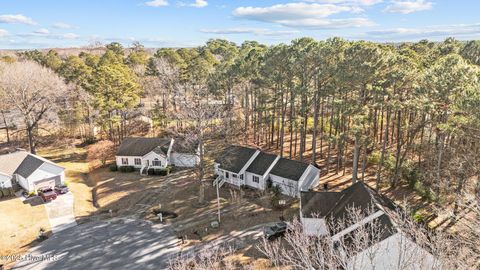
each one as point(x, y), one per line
point(156, 153)
point(239, 165)
point(30, 171)
point(390, 249)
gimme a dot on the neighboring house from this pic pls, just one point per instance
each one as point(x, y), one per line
point(30, 171)
point(318, 208)
point(5, 181)
point(240, 165)
point(157, 153)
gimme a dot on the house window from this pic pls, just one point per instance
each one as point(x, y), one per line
point(256, 179)
point(157, 162)
point(234, 175)
point(138, 161)
point(241, 176)
point(124, 161)
point(227, 175)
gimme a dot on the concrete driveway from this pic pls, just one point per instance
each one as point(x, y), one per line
point(60, 212)
point(116, 244)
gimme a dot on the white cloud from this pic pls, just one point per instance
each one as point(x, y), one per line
point(348, 2)
point(255, 31)
point(3, 33)
point(303, 15)
point(438, 31)
point(18, 18)
point(42, 31)
point(70, 36)
point(197, 4)
point(407, 7)
point(157, 3)
point(62, 25)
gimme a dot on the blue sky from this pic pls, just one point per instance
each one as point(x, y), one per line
point(176, 23)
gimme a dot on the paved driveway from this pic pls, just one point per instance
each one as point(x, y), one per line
point(60, 212)
point(118, 244)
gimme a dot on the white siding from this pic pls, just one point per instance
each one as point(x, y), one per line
point(314, 226)
point(249, 180)
point(310, 178)
point(289, 187)
point(131, 161)
point(152, 156)
point(5, 181)
point(395, 252)
point(184, 160)
point(25, 184)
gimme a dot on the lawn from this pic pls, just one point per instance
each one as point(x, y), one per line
point(19, 225)
point(73, 159)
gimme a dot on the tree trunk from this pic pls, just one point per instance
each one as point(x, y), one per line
point(356, 154)
point(315, 126)
point(384, 140)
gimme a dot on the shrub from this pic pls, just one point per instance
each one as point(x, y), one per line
point(163, 172)
point(374, 158)
point(113, 168)
point(126, 169)
point(420, 216)
point(102, 151)
point(151, 171)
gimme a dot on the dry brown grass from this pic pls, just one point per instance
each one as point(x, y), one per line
point(19, 225)
point(73, 159)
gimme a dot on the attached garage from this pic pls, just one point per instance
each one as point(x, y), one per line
point(184, 160)
point(30, 171)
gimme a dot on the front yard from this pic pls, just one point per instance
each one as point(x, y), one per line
point(20, 224)
point(130, 194)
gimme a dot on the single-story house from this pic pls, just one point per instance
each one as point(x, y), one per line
point(157, 153)
point(30, 171)
point(317, 209)
point(233, 163)
point(239, 165)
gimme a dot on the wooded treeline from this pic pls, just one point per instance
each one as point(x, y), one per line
point(410, 109)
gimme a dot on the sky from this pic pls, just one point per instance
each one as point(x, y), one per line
point(29, 24)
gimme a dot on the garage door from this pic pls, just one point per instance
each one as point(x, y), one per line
point(49, 182)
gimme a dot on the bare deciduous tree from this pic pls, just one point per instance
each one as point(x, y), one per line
point(33, 90)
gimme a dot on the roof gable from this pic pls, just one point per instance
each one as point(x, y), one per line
point(139, 147)
point(235, 157)
point(29, 165)
point(290, 169)
point(261, 163)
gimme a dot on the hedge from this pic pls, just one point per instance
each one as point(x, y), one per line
point(113, 168)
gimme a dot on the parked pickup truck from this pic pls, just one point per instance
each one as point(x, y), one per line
point(47, 194)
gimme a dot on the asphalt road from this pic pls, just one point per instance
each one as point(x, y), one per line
point(118, 244)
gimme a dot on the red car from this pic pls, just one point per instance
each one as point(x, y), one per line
point(47, 194)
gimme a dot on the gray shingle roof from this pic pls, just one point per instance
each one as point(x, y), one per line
point(234, 158)
point(10, 162)
point(335, 205)
point(290, 169)
point(28, 166)
point(133, 146)
point(261, 163)
point(181, 145)
point(318, 203)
